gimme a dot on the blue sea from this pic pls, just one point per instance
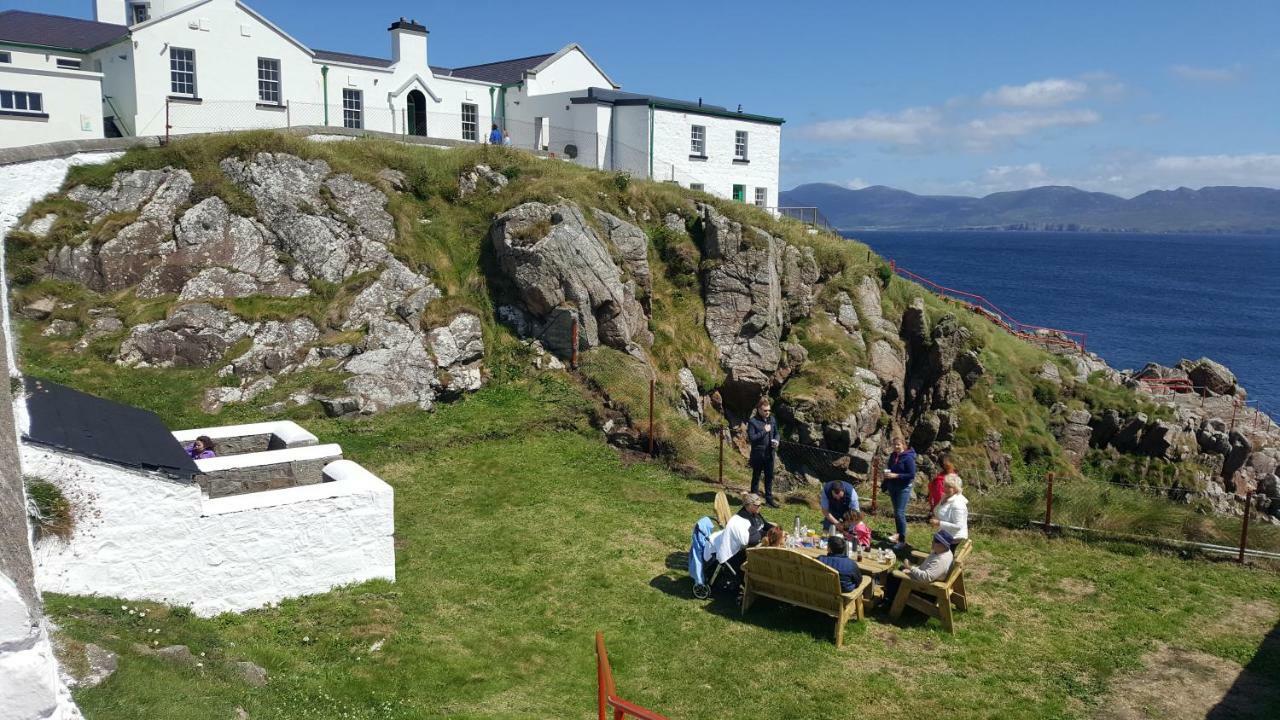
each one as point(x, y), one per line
point(1140, 298)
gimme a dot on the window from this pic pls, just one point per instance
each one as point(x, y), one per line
point(5, 57)
point(66, 64)
point(740, 145)
point(182, 71)
point(139, 12)
point(269, 81)
point(696, 186)
point(698, 141)
point(470, 122)
point(740, 193)
point(352, 108)
point(15, 102)
point(762, 196)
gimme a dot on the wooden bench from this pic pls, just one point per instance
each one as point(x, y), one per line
point(935, 599)
point(786, 575)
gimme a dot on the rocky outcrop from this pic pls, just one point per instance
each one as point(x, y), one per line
point(631, 245)
point(472, 179)
point(194, 335)
point(750, 295)
point(562, 271)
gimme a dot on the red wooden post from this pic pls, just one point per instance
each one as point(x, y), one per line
point(1048, 503)
point(573, 355)
point(1244, 526)
point(720, 475)
point(875, 482)
point(651, 384)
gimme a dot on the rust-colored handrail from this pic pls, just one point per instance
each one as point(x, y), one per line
point(607, 693)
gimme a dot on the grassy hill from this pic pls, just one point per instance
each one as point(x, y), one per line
point(520, 531)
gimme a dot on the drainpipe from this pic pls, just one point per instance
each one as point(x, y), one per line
point(651, 141)
point(492, 118)
point(324, 80)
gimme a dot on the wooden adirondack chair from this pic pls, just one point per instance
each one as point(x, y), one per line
point(723, 513)
point(935, 599)
point(786, 575)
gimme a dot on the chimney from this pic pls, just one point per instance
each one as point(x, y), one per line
point(110, 11)
point(408, 42)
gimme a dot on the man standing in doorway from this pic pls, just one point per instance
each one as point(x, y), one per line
point(762, 432)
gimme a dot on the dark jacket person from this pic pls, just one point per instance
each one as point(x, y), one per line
point(850, 575)
point(762, 433)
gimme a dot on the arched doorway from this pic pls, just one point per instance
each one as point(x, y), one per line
point(416, 122)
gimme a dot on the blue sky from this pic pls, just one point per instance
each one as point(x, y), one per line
point(929, 96)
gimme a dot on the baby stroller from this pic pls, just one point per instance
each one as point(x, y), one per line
point(698, 569)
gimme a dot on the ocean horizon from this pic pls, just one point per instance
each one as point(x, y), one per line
point(1139, 297)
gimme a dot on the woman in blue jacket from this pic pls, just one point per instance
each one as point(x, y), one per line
point(898, 480)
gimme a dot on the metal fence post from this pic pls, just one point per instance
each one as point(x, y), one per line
point(573, 354)
point(1244, 526)
point(720, 472)
point(167, 124)
point(1048, 503)
point(651, 384)
point(288, 114)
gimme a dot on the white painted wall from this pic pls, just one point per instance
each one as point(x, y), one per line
point(71, 98)
point(718, 173)
point(30, 688)
point(290, 433)
point(116, 65)
point(571, 72)
point(142, 536)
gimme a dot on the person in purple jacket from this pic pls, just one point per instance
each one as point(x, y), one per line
point(201, 449)
point(898, 480)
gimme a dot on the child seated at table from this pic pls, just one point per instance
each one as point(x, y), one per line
point(855, 530)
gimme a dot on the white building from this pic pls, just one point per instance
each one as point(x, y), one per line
point(171, 67)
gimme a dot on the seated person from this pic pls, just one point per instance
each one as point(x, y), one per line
point(856, 530)
point(774, 537)
point(745, 529)
point(836, 559)
point(952, 514)
point(931, 569)
point(201, 449)
point(838, 498)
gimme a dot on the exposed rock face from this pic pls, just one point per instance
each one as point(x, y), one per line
point(632, 246)
point(559, 266)
point(330, 238)
point(690, 399)
point(195, 335)
point(746, 315)
point(470, 180)
point(1212, 376)
point(1073, 431)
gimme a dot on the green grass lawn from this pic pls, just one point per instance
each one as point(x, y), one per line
point(520, 533)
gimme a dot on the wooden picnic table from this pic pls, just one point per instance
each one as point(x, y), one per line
point(869, 565)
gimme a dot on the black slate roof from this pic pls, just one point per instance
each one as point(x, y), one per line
point(342, 57)
point(502, 71)
point(607, 96)
point(90, 426)
point(56, 31)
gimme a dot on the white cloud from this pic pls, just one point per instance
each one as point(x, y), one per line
point(981, 133)
point(1010, 176)
point(1041, 93)
point(912, 126)
point(1200, 170)
point(1208, 75)
point(856, 183)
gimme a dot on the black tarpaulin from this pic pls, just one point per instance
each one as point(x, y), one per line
point(86, 425)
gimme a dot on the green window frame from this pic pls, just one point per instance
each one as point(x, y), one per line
point(740, 193)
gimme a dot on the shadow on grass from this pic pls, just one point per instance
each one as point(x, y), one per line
point(1254, 693)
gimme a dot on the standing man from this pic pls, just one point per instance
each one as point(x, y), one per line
point(899, 478)
point(838, 499)
point(762, 432)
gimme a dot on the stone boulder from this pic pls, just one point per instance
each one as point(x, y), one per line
point(1071, 428)
point(558, 265)
point(392, 369)
point(41, 226)
point(690, 399)
point(799, 281)
point(277, 347)
point(631, 245)
point(1212, 376)
point(469, 181)
point(194, 335)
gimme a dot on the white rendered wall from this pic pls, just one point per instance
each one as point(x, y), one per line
point(572, 72)
point(290, 433)
point(718, 173)
point(631, 139)
point(30, 688)
point(116, 65)
point(71, 99)
point(141, 536)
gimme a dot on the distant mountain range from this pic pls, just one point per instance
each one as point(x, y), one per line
point(1223, 209)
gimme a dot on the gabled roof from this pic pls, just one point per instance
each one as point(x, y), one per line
point(92, 427)
point(565, 51)
point(350, 59)
point(605, 96)
point(504, 72)
point(56, 31)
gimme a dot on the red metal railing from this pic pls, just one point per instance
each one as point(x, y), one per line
point(607, 693)
point(978, 304)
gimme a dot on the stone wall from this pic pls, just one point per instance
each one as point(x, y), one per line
point(250, 438)
point(142, 536)
point(271, 470)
